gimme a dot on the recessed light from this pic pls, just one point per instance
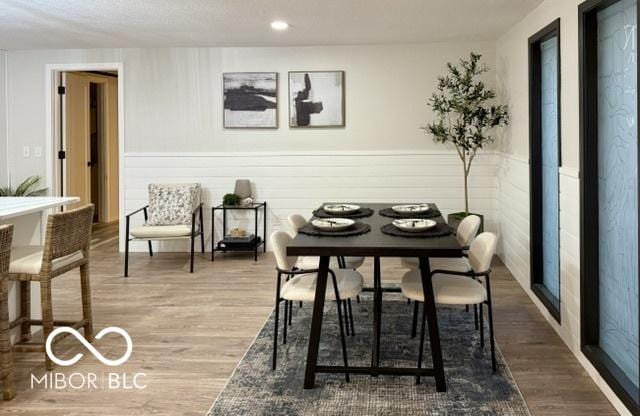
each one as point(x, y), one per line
point(279, 25)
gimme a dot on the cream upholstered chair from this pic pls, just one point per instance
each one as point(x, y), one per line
point(7, 376)
point(300, 285)
point(170, 215)
point(466, 232)
point(66, 247)
point(452, 287)
point(297, 221)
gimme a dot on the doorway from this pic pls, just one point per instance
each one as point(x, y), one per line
point(89, 146)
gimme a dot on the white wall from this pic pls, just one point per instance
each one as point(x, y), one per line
point(173, 97)
point(513, 180)
point(173, 125)
point(4, 161)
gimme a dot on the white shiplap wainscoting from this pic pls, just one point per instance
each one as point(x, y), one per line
point(513, 196)
point(300, 181)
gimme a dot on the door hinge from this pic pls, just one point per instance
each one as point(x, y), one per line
point(62, 155)
point(61, 90)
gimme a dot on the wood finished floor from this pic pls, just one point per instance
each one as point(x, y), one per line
point(190, 331)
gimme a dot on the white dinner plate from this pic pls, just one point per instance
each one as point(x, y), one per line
point(332, 224)
point(413, 225)
point(341, 208)
point(411, 208)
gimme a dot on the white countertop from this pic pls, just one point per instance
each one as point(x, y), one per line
point(14, 206)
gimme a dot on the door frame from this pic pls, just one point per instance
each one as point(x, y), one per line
point(52, 137)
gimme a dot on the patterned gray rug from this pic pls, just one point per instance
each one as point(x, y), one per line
point(472, 388)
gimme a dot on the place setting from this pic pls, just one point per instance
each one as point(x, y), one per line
point(411, 221)
point(336, 225)
point(342, 211)
point(411, 211)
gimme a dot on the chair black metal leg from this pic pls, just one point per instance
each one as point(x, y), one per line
point(343, 304)
point(286, 317)
point(414, 325)
point(490, 311)
point(408, 301)
point(492, 341)
point(126, 250)
point(150, 248)
point(353, 330)
point(290, 311)
point(126, 257)
point(475, 316)
point(275, 335)
point(466, 308)
point(343, 341)
point(301, 304)
point(193, 242)
point(421, 347)
point(358, 298)
point(481, 322)
point(201, 232)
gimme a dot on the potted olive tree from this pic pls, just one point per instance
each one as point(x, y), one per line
point(465, 115)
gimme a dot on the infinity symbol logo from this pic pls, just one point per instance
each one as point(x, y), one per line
point(88, 346)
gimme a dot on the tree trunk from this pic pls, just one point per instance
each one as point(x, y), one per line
point(466, 193)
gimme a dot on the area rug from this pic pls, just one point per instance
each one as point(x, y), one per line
point(472, 389)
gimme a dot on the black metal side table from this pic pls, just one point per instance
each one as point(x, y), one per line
point(238, 245)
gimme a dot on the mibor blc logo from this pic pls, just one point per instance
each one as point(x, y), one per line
point(92, 380)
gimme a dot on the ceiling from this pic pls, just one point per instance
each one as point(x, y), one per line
point(44, 24)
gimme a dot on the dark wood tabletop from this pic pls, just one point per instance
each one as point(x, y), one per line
point(375, 243)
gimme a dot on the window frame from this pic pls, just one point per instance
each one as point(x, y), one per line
point(621, 385)
point(535, 165)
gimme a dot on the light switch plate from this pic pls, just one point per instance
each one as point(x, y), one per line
point(25, 151)
point(37, 151)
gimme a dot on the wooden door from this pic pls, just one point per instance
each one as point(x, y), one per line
point(76, 137)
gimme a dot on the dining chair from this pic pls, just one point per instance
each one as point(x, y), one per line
point(465, 233)
point(7, 376)
point(296, 222)
point(301, 286)
point(170, 215)
point(66, 247)
point(452, 287)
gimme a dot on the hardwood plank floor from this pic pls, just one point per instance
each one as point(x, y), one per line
point(190, 330)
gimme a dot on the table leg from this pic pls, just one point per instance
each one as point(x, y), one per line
point(377, 317)
point(432, 321)
point(316, 324)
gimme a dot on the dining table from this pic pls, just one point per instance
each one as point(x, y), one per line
point(376, 244)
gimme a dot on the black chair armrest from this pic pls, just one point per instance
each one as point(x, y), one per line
point(137, 211)
point(455, 273)
point(197, 208)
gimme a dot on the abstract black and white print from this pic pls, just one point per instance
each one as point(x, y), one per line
point(250, 100)
point(316, 99)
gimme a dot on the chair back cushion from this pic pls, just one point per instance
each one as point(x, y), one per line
point(6, 234)
point(481, 252)
point(467, 230)
point(67, 233)
point(297, 221)
point(279, 242)
point(173, 204)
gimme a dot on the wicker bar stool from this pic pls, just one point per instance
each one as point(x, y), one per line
point(66, 247)
point(7, 377)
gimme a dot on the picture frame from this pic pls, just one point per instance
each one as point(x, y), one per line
point(316, 99)
point(250, 100)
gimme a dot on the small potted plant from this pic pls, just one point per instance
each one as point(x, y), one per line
point(231, 200)
point(465, 117)
point(27, 188)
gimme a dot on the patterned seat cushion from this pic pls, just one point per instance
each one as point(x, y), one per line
point(173, 204)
